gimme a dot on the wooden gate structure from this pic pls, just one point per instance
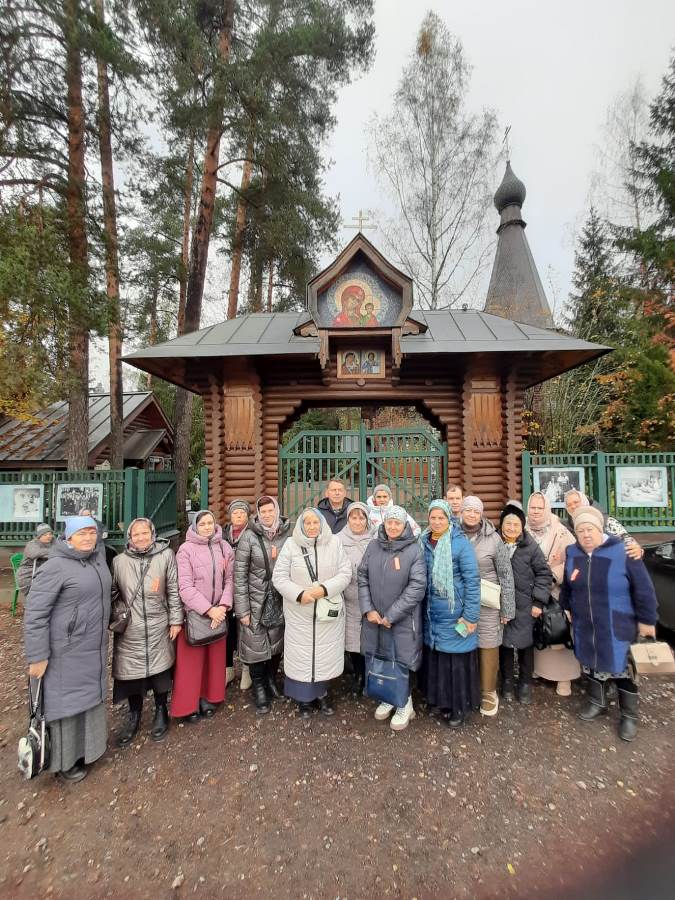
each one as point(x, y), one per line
point(360, 343)
point(411, 461)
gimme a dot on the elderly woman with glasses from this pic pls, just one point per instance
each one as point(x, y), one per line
point(311, 573)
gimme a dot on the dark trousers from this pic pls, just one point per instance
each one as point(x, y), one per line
point(135, 701)
point(231, 640)
point(525, 663)
point(358, 664)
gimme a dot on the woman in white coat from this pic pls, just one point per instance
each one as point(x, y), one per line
point(311, 573)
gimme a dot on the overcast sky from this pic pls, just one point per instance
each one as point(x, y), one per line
point(550, 71)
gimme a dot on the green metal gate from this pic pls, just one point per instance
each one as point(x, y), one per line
point(411, 461)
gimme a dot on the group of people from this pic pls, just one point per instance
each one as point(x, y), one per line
point(349, 583)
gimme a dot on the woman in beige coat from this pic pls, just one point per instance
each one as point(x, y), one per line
point(311, 568)
point(145, 579)
point(554, 663)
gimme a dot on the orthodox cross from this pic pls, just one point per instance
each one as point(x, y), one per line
point(505, 141)
point(360, 219)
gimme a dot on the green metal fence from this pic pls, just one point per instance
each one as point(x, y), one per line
point(47, 495)
point(411, 461)
point(636, 488)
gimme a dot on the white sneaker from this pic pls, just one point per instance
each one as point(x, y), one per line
point(245, 682)
point(383, 711)
point(229, 675)
point(403, 716)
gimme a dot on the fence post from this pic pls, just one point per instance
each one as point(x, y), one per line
point(526, 469)
point(601, 470)
point(140, 494)
point(204, 487)
point(129, 496)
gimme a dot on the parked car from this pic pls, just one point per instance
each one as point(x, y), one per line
point(660, 560)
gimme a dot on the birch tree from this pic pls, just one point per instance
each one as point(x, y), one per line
point(436, 160)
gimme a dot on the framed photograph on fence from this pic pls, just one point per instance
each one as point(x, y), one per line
point(641, 486)
point(71, 498)
point(554, 482)
point(21, 502)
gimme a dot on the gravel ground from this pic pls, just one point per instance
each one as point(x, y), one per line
point(534, 803)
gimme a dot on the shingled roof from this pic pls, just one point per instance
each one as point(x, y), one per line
point(515, 289)
point(43, 439)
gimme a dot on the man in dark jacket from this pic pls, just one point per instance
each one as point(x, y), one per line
point(335, 504)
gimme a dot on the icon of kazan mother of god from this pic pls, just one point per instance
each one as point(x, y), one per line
point(354, 309)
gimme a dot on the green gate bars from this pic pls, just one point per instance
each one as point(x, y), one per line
point(412, 462)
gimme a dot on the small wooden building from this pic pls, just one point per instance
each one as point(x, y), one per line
point(361, 343)
point(40, 442)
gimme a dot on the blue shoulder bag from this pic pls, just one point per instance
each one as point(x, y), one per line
point(386, 680)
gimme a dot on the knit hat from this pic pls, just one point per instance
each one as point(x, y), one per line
point(512, 508)
point(43, 528)
point(239, 504)
point(473, 503)
point(395, 512)
point(381, 487)
point(589, 515)
point(77, 523)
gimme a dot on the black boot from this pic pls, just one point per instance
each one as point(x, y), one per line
point(507, 689)
point(207, 710)
point(524, 692)
point(305, 710)
point(359, 675)
point(628, 704)
point(130, 730)
point(160, 723)
point(271, 667)
point(259, 679)
point(597, 700)
point(75, 773)
point(326, 706)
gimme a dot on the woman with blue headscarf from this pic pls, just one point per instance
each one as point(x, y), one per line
point(450, 675)
point(311, 573)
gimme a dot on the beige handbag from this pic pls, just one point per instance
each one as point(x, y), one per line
point(490, 594)
point(652, 657)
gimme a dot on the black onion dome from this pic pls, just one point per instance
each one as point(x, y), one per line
point(511, 192)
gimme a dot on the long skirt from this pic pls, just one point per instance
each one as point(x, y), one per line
point(451, 681)
point(84, 736)
point(556, 664)
point(305, 691)
point(200, 672)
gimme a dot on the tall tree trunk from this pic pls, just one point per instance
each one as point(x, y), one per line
point(112, 269)
point(199, 252)
point(185, 246)
point(270, 284)
point(78, 320)
point(239, 229)
point(152, 331)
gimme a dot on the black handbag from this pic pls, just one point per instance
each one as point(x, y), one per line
point(272, 612)
point(197, 627)
point(35, 748)
point(552, 627)
point(120, 614)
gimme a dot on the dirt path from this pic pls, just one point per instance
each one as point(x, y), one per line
point(534, 803)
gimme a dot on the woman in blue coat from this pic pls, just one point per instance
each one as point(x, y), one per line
point(450, 674)
point(610, 599)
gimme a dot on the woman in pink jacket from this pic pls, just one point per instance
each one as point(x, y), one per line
point(205, 576)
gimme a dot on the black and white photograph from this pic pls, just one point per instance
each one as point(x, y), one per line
point(641, 486)
point(21, 502)
point(554, 482)
point(71, 498)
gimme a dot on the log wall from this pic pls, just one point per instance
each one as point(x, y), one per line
point(248, 405)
